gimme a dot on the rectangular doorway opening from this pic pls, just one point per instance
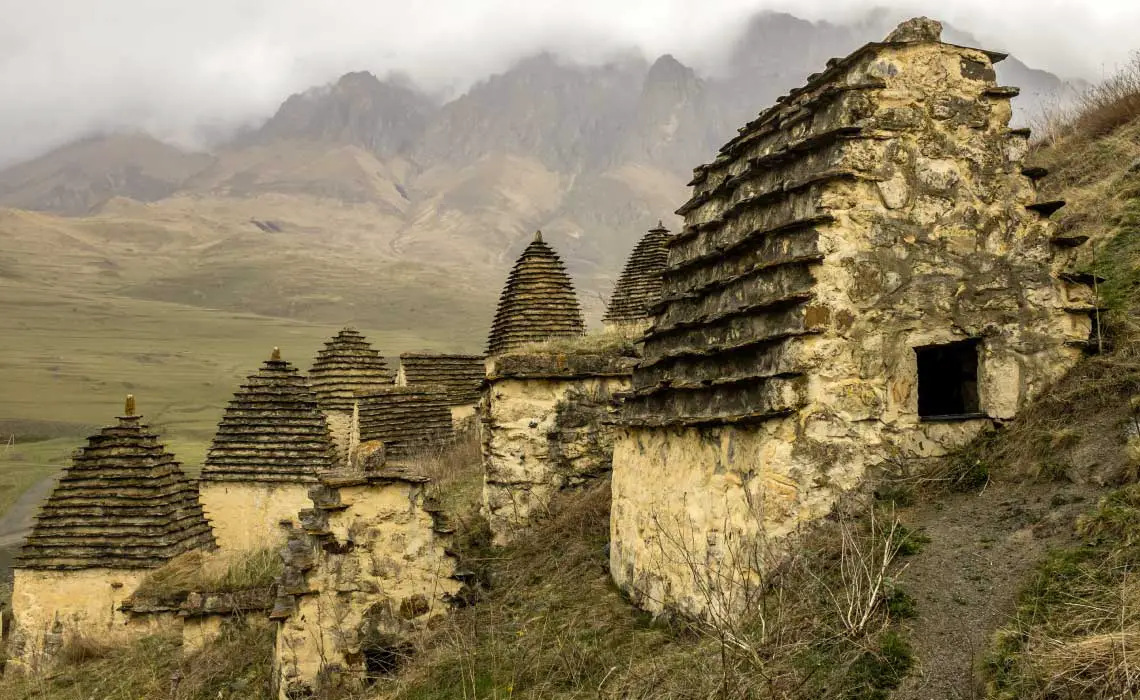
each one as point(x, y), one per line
point(948, 381)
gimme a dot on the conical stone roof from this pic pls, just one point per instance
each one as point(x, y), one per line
point(272, 431)
point(405, 419)
point(124, 503)
point(346, 366)
point(459, 376)
point(538, 302)
point(639, 288)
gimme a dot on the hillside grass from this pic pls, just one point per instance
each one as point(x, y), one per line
point(1075, 634)
point(548, 622)
point(237, 666)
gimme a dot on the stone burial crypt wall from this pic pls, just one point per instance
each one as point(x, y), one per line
point(365, 571)
point(346, 367)
point(547, 411)
point(864, 273)
point(122, 508)
point(271, 444)
point(547, 424)
point(397, 424)
point(460, 377)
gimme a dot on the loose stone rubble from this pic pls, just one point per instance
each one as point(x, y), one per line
point(538, 302)
point(123, 508)
point(366, 569)
point(546, 425)
point(460, 377)
point(638, 290)
point(345, 368)
point(271, 444)
point(872, 221)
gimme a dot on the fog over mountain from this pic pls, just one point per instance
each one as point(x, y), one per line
point(390, 200)
point(193, 73)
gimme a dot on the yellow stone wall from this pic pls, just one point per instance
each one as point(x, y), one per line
point(249, 515)
point(528, 456)
point(50, 606)
point(929, 242)
point(380, 574)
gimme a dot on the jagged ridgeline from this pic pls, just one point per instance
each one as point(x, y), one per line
point(458, 376)
point(638, 289)
point(272, 430)
point(538, 302)
point(405, 419)
point(347, 365)
point(124, 503)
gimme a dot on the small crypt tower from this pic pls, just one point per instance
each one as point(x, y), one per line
point(122, 508)
point(347, 366)
point(460, 377)
point(272, 443)
point(538, 302)
point(639, 288)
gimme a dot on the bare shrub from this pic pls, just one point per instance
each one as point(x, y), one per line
point(866, 568)
point(1110, 104)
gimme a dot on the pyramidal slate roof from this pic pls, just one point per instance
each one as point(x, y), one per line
point(272, 430)
point(640, 286)
point(538, 302)
point(124, 503)
point(405, 419)
point(459, 376)
point(345, 367)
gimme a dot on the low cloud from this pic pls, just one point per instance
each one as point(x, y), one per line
point(188, 71)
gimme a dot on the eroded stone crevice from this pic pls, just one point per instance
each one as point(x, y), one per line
point(365, 571)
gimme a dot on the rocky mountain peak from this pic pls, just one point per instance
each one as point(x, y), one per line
point(382, 116)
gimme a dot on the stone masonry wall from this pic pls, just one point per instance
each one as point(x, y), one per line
point(366, 570)
point(546, 425)
point(50, 606)
point(880, 209)
point(252, 515)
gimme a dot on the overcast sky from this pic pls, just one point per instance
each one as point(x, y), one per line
point(186, 70)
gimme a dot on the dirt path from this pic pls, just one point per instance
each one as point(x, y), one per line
point(16, 522)
point(966, 579)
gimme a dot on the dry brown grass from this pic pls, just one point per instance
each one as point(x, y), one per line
point(1076, 635)
point(238, 666)
point(549, 623)
point(211, 572)
point(616, 342)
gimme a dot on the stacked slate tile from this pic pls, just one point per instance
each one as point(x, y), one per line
point(124, 503)
point(458, 376)
point(405, 419)
point(538, 302)
point(638, 289)
point(272, 430)
point(345, 367)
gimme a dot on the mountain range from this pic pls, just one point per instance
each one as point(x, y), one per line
point(367, 201)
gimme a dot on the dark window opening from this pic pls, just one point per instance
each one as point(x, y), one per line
point(948, 380)
point(385, 656)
